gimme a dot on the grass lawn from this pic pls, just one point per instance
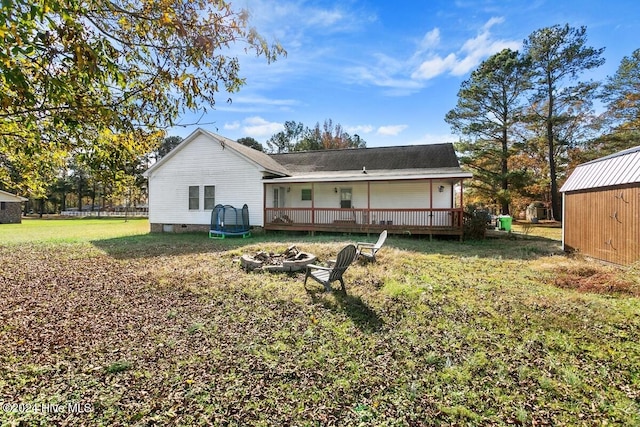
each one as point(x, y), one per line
point(102, 323)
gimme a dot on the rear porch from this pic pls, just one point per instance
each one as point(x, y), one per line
point(395, 221)
point(427, 206)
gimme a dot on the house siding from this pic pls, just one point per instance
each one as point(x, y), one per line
point(604, 223)
point(201, 163)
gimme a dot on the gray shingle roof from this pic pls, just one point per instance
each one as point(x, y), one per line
point(617, 169)
point(383, 162)
point(383, 158)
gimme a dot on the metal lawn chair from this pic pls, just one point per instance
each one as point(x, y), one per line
point(328, 275)
point(368, 250)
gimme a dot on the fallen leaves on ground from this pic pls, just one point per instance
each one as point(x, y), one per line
point(189, 338)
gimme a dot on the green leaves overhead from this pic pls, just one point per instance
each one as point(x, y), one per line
point(70, 68)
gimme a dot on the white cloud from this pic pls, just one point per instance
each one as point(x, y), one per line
point(231, 126)
point(325, 18)
point(384, 74)
point(261, 100)
point(257, 127)
point(431, 39)
point(404, 77)
point(359, 129)
point(491, 22)
point(472, 52)
point(434, 67)
point(430, 138)
point(391, 130)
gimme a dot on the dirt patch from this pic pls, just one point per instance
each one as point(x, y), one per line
point(594, 280)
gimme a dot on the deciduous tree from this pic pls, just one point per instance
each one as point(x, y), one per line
point(328, 137)
point(71, 68)
point(251, 142)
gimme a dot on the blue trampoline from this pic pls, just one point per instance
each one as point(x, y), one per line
point(229, 221)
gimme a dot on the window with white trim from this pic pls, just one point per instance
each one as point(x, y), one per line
point(194, 197)
point(345, 198)
point(209, 197)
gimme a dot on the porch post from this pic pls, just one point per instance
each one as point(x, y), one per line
point(369, 205)
point(430, 202)
point(461, 198)
point(313, 206)
point(461, 219)
point(264, 204)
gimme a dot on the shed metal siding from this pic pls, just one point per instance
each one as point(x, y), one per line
point(604, 224)
point(204, 162)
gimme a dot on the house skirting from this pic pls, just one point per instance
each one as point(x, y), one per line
point(179, 228)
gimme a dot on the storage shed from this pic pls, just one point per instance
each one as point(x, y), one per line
point(10, 208)
point(602, 208)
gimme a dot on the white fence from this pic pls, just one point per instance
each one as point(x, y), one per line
point(105, 214)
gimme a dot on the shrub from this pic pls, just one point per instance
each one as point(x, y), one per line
point(475, 223)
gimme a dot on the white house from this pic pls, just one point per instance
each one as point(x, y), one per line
point(205, 170)
point(408, 189)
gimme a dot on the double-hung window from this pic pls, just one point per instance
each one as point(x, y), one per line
point(209, 197)
point(345, 198)
point(194, 197)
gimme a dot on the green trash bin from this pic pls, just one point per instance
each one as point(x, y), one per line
point(505, 222)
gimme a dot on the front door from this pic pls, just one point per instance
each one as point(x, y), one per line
point(345, 198)
point(278, 197)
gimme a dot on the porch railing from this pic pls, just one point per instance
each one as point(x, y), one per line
point(427, 219)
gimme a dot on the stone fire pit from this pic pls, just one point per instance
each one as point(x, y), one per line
point(291, 260)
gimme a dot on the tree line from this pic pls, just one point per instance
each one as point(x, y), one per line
point(88, 89)
point(526, 118)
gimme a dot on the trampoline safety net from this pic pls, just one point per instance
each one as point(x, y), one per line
point(229, 221)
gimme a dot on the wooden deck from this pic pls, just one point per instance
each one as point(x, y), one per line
point(395, 221)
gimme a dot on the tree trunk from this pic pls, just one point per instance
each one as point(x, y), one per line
point(556, 211)
point(505, 167)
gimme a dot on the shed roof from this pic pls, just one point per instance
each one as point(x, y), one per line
point(8, 197)
point(616, 169)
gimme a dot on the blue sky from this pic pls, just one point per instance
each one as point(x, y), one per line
point(389, 71)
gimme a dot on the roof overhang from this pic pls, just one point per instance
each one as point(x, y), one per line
point(262, 161)
point(621, 168)
point(12, 198)
point(374, 175)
